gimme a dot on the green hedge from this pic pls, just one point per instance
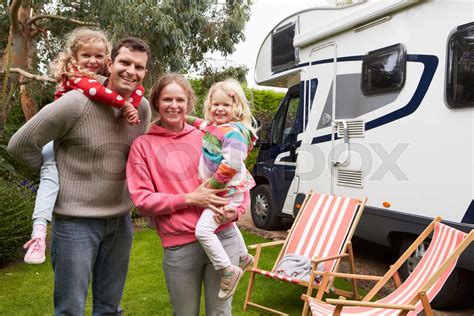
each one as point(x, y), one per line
point(16, 206)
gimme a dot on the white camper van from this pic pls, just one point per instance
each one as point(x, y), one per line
point(380, 103)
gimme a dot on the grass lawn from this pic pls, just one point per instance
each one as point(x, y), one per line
point(27, 289)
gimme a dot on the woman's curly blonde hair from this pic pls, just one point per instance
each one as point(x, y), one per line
point(65, 65)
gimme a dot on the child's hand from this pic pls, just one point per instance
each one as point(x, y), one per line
point(130, 113)
point(226, 214)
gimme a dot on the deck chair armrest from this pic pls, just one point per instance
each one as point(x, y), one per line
point(318, 260)
point(267, 244)
point(356, 276)
point(306, 297)
point(369, 304)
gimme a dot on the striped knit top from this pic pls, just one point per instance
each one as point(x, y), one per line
point(224, 150)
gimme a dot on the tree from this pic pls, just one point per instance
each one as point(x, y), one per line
point(180, 33)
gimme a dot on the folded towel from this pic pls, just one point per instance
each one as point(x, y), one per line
point(297, 266)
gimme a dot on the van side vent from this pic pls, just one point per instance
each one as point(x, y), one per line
point(356, 129)
point(349, 178)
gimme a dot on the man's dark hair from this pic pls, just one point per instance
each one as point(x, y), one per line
point(132, 43)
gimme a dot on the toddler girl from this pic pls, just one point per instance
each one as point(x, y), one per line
point(229, 137)
point(87, 52)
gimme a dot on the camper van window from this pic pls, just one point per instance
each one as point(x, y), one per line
point(284, 54)
point(290, 119)
point(384, 70)
point(460, 67)
point(283, 128)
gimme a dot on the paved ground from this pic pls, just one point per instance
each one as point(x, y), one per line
point(370, 258)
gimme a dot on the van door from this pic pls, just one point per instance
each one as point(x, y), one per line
point(285, 128)
point(274, 170)
point(322, 110)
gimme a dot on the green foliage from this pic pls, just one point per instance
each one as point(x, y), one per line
point(16, 195)
point(11, 169)
point(6, 168)
point(4, 23)
point(251, 159)
point(265, 103)
point(180, 32)
point(16, 204)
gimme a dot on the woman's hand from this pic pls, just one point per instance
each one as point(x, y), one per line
point(207, 198)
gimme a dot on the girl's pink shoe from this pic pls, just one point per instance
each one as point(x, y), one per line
point(36, 249)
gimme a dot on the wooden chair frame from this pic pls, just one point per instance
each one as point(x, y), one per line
point(345, 253)
point(391, 273)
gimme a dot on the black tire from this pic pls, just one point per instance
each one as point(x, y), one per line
point(262, 208)
point(457, 289)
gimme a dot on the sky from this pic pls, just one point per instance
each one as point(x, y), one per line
point(265, 15)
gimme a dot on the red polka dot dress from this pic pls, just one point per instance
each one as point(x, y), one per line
point(96, 91)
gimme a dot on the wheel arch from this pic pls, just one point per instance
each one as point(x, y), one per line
point(259, 180)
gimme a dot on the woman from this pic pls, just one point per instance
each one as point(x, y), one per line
point(162, 175)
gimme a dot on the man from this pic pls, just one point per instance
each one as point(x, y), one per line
point(92, 229)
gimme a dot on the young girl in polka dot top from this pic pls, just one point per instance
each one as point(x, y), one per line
point(86, 55)
point(87, 52)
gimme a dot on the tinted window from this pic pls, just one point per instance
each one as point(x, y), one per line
point(460, 67)
point(384, 70)
point(283, 128)
point(284, 54)
point(289, 132)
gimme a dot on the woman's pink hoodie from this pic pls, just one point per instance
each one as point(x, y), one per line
point(162, 166)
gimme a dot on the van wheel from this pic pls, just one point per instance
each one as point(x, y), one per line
point(455, 291)
point(263, 212)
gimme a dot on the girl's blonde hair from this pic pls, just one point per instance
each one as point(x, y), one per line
point(161, 83)
point(240, 106)
point(65, 65)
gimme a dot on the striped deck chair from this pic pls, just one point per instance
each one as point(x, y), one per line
point(321, 232)
point(413, 295)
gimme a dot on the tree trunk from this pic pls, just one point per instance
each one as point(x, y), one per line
point(6, 100)
point(27, 104)
point(20, 43)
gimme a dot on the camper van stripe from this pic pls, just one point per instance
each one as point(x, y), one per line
point(430, 63)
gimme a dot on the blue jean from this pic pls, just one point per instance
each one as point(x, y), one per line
point(187, 267)
point(82, 247)
point(49, 185)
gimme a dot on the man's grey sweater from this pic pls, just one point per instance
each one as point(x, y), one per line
point(91, 146)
